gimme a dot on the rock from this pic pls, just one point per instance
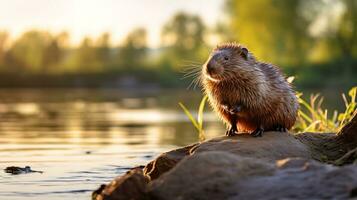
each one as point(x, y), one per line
point(271, 147)
point(330, 147)
point(221, 175)
point(348, 158)
point(275, 166)
point(132, 186)
point(325, 147)
point(20, 170)
point(300, 179)
point(206, 175)
point(166, 161)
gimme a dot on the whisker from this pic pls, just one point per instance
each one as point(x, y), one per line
point(191, 62)
point(191, 66)
point(191, 72)
point(193, 69)
point(190, 75)
point(198, 80)
point(187, 70)
point(188, 87)
point(195, 81)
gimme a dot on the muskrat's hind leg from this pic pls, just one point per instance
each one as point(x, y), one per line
point(258, 132)
point(233, 129)
point(232, 110)
point(281, 128)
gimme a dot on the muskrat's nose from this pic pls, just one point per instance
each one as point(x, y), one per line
point(211, 67)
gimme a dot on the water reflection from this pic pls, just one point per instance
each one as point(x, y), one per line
point(82, 138)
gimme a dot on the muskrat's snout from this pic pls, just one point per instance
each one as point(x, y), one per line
point(213, 67)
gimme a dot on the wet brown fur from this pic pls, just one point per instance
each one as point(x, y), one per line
point(267, 98)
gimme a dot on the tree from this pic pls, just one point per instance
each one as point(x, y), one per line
point(103, 49)
point(91, 56)
point(345, 37)
point(54, 53)
point(134, 50)
point(3, 42)
point(35, 52)
point(274, 30)
point(183, 37)
point(85, 57)
point(28, 50)
point(184, 32)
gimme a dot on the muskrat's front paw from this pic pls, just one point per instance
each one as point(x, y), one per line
point(231, 132)
point(232, 110)
point(258, 132)
point(225, 107)
point(235, 110)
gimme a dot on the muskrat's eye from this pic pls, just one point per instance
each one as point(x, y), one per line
point(226, 58)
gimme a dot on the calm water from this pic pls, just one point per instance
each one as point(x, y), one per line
point(83, 138)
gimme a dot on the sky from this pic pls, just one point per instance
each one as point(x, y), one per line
point(92, 17)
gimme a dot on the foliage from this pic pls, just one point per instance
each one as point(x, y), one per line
point(295, 32)
point(3, 40)
point(197, 123)
point(183, 40)
point(184, 32)
point(34, 51)
point(134, 51)
point(312, 117)
point(85, 58)
point(273, 29)
point(341, 37)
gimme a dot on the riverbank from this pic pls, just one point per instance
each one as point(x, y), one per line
point(278, 165)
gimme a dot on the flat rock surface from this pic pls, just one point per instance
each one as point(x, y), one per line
point(272, 146)
point(221, 175)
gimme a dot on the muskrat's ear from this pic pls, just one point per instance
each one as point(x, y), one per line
point(244, 52)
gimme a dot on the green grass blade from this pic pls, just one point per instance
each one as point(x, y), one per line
point(306, 105)
point(189, 115)
point(200, 111)
point(311, 127)
point(313, 117)
point(303, 115)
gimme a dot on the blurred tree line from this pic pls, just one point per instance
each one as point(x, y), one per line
point(313, 40)
point(40, 52)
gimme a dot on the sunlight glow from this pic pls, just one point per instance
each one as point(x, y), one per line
point(91, 18)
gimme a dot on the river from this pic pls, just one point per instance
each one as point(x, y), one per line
point(81, 138)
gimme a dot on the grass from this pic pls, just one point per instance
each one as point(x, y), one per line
point(197, 123)
point(312, 116)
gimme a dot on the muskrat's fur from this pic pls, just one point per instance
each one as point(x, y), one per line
point(249, 95)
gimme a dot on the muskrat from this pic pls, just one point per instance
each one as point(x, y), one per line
point(249, 95)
